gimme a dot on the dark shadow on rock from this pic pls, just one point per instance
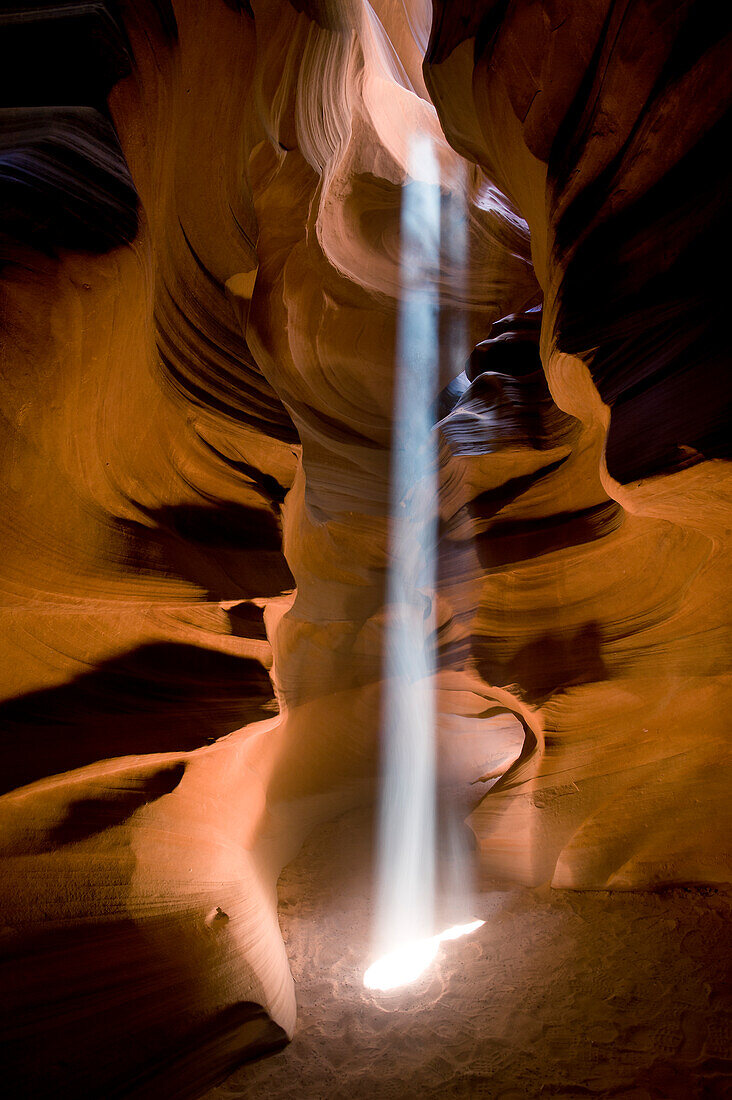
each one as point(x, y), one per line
point(551, 663)
point(233, 551)
point(96, 1011)
point(509, 541)
point(247, 621)
point(269, 487)
point(645, 315)
point(241, 1033)
point(502, 400)
point(64, 181)
point(512, 346)
point(223, 526)
point(163, 697)
point(88, 816)
point(528, 748)
point(491, 501)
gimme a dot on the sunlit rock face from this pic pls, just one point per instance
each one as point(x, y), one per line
point(200, 282)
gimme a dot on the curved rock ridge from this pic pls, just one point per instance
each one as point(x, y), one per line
point(200, 286)
point(608, 620)
point(145, 459)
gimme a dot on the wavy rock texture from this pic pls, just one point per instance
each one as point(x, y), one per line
point(607, 619)
point(145, 459)
point(199, 288)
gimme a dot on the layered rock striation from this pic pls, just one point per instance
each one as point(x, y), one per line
point(610, 623)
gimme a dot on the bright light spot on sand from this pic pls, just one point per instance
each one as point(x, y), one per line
point(402, 966)
point(459, 930)
point(406, 964)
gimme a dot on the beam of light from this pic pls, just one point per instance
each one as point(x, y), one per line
point(406, 868)
point(457, 878)
point(407, 963)
point(406, 835)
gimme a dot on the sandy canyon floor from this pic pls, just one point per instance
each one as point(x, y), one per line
point(560, 994)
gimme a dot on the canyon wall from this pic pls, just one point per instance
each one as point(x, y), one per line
point(605, 126)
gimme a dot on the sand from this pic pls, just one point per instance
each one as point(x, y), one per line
point(560, 993)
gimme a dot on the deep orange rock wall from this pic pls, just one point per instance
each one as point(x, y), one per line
point(611, 628)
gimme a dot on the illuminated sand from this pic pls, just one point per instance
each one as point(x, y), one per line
point(574, 993)
point(410, 961)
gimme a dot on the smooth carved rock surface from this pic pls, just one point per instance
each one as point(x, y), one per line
point(611, 626)
point(199, 294)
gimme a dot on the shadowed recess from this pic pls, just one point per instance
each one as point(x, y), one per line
point(641, 297)
point(234, 551)
point(247, 621)
point(206, 360)
point(510, 541)
point(550, 663)
point(81, 1055)
point(64, 182)
point(157, 698)
point(504, 400)
point(490, 502)
point(61, 54)
point(105, 802)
